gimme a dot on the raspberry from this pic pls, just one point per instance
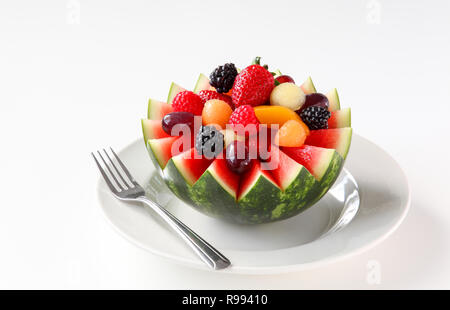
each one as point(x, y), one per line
point(243, 115)
point(210, 94)
point(187, 101)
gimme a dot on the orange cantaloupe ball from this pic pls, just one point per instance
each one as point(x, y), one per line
point(292, 134)
point(217, 112)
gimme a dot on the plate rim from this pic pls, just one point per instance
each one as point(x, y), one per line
point(233, 269)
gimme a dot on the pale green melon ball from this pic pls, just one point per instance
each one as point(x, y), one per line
point(288, 95)
point(230, 136)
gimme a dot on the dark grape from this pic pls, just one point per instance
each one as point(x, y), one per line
point(237, 157)
point(315, 99)
point(175, 118)
point(284, 79)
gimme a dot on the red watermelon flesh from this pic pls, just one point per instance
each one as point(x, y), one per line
point(266, 173)
point(256, 143)
point(250, 177)
point(335, 138)
point(283, 168)
point(340, 118)
point(152, 129)
point(157, 109)
point(228, 179)
point(162, 149)
point(191, 165)
point(313, 158)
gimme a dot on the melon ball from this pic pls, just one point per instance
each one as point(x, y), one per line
point(217, 112)
point(288, 95)
point(230, 136)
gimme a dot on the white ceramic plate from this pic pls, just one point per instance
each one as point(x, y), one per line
point(277, 247)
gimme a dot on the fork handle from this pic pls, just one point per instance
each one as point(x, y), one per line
point(203, 249)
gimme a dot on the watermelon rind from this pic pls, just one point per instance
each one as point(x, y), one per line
point(151, 129)
point(176, 182)
point(263, 202)
point(296, 197)
point(211, 194)
point(178, 162)
point(308, 86)
point(340, 118)
point(173, 91)
point(333, 99)
point(206, 195)
point(296, 184)
point(156, 108)
point(327, 157)
point(344, 141)
point(145, 131)
point(202, 83)
point(153, 157)
point(321, 187)
point(158, 156)
point(256, 204)
point(341, 143)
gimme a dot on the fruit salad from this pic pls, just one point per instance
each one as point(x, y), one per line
point(249, 145)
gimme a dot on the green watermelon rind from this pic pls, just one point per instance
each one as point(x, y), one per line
point(265, 202)
point(333, 99)
point(330, 176)
point(148, 132)
point(344, 144)
point(154, 108)
point(308, 86)
point(173, 91)
point(202, 83)
point(252, 209)
point(201, 197)
point(343, 118)
point(144, 131)
point(152, 148)
point(208, 196)
point(296, 197)
point(176, 182)
point(215, 200)
point(153, 157)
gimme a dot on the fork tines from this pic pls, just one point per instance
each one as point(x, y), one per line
point(117, 179)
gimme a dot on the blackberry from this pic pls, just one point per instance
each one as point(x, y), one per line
point(315, 117)
point(209, 142)
point(222, 78)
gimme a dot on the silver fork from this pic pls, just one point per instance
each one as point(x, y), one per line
point(129, 190)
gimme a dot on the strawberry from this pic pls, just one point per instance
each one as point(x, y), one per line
point(252, 86)
point(211, 94)
point(187, 101)
point(241, 117)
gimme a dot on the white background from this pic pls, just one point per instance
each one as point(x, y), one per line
point(76, 75)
